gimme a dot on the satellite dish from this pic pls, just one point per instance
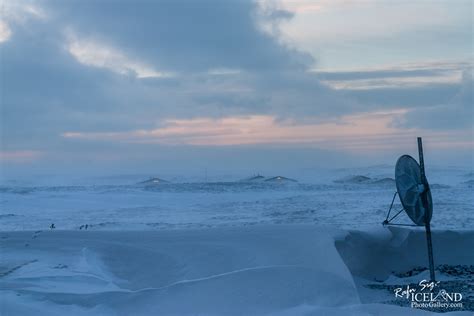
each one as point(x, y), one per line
point(413, 190)
point(415, 195)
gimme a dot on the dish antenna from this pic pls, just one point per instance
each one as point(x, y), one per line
point(415, 195)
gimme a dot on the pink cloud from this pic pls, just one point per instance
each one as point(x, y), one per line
point(369, 131)
point(20, 155)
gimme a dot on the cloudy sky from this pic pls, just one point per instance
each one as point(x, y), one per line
point(178, 86)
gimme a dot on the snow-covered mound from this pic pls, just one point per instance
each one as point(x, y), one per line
point(361, 179)
point(280, 179)
point(377, 255)
point(382, 261)
point(385, 181)
point(153, 181)
point(257, 178)
point(469, 183)
point(469, 175)
point(353, 179)
point(258, 270)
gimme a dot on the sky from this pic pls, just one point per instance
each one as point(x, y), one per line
point(167, 86)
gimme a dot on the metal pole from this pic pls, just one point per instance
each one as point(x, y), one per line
point(430, 251)
point(425, 205)
point(422, 161)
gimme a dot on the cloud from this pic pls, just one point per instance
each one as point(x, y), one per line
point(16, 13)
point(20, 12)
point(105, 79)
point(95, 54)
point(184, 36)
point(456, 113)
point(5, 31)
point(400, 76)
point(354, 132)
point(356, 20)
point(437, 95)
point(358, 134)
point(126, 73)
point(20, 156)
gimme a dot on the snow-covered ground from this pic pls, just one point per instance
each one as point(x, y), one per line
point(226, 247)
point(254, 270)
point(323, 198)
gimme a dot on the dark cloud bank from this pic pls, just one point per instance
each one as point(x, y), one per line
point(46, 91)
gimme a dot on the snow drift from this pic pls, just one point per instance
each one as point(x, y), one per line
point(254, 270)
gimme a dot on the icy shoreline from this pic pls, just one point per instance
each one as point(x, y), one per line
point(253, 270)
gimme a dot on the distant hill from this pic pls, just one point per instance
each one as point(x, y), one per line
point(280, 179)
point(153, 181)
point(353, 179)
point(257, 178)
point(384, 181)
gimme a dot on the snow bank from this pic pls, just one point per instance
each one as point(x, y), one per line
point(386, 259)
point(257, 270)
point(379, 253)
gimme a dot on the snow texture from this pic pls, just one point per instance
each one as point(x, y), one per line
point(188, 247)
